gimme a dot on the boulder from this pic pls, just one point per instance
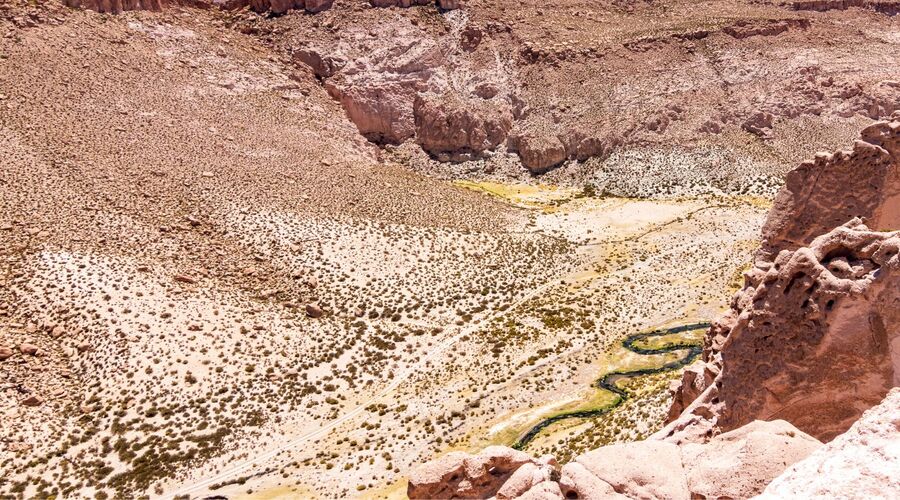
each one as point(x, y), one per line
point(461, 475)
point(5, 353)
point(578, 482)
point(737, 464)
point(457, 126)
point(29, 349)
point(740, 463)
point(540, 153)
point(314, 311)
point(33, 400)
point(625, 467)
point(276, 6)
point(314, 6)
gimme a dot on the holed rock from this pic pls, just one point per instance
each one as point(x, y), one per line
point(826, 192)
point(460, 127)
point(813, 338)
point(461, 475)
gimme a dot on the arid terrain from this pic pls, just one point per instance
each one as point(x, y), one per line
point(293, 249)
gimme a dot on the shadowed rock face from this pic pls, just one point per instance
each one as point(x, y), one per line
point(826, 192)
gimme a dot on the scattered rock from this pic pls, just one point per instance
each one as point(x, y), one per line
point(183, 278)
point(29, 349)
point(33, 400)
point(314, 311)
point(57, 332)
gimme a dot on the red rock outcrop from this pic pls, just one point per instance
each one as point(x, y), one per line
point(812, 338)
point(764, 27)
point(737, 464)
point(460, 128)
point(833, 188)
point(540, 153)
point(863, 462)
point(824, 309)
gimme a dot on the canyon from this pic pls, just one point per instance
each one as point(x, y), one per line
point(449, 249)
point(816, 316)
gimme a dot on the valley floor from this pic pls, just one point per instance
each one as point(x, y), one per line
point(487, 379)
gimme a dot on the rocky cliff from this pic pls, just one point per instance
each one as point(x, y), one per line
point(810, 343)
point(831, 189)
point(812, 337)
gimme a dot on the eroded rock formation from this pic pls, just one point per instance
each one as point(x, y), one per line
point(458, 128)
point(825, 315)
point(461, 475)
point(737, 464)
point(812, 338)
point(826, 192)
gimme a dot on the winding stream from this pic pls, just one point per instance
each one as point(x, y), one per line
point(610, 381)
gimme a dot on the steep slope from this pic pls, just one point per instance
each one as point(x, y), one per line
point(585, 80)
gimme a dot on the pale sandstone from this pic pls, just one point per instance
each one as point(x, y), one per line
point(864, 462)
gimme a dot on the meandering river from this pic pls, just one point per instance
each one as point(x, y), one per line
point(610, 381)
